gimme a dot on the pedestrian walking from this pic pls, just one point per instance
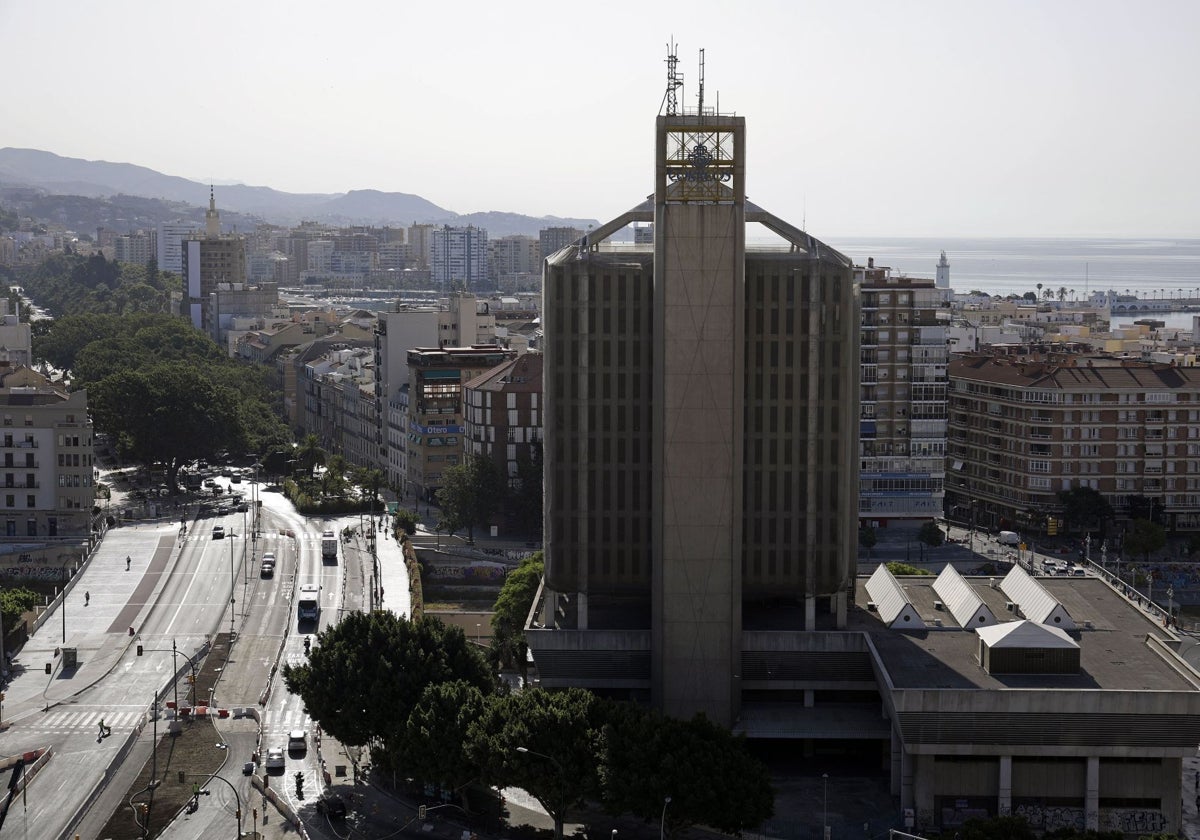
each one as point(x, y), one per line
point(87, 597)
point(128, 560)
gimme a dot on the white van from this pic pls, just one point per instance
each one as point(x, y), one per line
point(1009, 538)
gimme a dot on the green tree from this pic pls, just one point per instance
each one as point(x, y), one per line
point(15, 601)
point(868, 538)
point(644, 757)
point(1085, 508)
point(170, 413)
point(433, 744)
point(366, 674)
point(407, 521)
point(1030, 296)
point(541, 742)
point(310, 455)
point(511, 609)
point(369, 481)
point(1144, 537)
point(470, 494)
point(931, 534)
point(333, 481)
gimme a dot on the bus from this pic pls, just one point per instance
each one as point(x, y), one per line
point(308, 608)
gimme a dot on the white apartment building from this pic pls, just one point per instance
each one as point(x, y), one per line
point(459, 258)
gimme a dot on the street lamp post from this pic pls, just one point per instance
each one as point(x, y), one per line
point(237, 799)
point(232, 586)
point(825, 807)
point(662, 822)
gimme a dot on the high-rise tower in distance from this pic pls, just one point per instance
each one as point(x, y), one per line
point(701, 436)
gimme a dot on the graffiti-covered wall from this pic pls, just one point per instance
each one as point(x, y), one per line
point(40, 563)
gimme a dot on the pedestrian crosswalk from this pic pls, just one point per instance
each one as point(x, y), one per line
point(276, 725)
point(65, 721)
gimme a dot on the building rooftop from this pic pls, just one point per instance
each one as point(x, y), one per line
point(1112, 634)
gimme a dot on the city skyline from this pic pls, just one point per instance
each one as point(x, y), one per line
point(927, 119)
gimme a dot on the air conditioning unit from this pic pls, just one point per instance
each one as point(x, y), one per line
point(1010, 606)
point(871, 606)
point(1088, 625)
point(992, 583)
point(937, 605)
point(937, 622)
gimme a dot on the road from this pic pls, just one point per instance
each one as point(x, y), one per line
point(179, 589)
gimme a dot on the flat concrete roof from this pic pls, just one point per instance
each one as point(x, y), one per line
point(1113, 652)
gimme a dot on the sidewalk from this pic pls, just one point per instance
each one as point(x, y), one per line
point(102, 602)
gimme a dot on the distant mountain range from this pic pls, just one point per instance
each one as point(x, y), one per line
point(86, 194)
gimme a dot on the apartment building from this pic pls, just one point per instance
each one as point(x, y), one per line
point(554, 239)
point(435, 410)
point(503, 416)
point(902, 425)
point(46, 446)
point(459, 258)
point(1029, 421)
point(461, 321)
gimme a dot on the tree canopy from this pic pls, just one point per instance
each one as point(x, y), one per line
point(470, 493)
point(366, 674)
point(1144, 537)
point(511, 609)
point(1085, 508)
point(931, 534)
point(542, 742)
point(644, 757)
point(163, 390)
point(70, 284)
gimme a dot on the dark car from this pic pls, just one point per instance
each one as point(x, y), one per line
point(331, 805)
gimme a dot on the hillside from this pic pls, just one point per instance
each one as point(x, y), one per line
point(86, 194)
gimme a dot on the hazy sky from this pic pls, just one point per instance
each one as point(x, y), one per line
point(914, 118)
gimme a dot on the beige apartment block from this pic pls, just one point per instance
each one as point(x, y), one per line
point(46, 478)
point(1027, 422)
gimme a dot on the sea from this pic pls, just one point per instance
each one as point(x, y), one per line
point(1150, 268)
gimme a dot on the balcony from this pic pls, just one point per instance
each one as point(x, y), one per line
point(9, 443)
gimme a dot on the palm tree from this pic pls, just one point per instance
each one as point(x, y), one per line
point(1039, 290)
point(1048, 294)
point(333, 482)
point(310, 455)
point(1062, 294)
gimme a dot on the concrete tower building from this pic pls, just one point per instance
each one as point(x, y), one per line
point(701, 439)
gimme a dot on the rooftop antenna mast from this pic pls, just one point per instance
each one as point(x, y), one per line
point(700, 109)
point(674, 80)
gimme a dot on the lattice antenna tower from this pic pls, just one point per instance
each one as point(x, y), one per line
point(674, 80)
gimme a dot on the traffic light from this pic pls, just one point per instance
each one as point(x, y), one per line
point(420, 812)
point(48, 668)
point(139, 650)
